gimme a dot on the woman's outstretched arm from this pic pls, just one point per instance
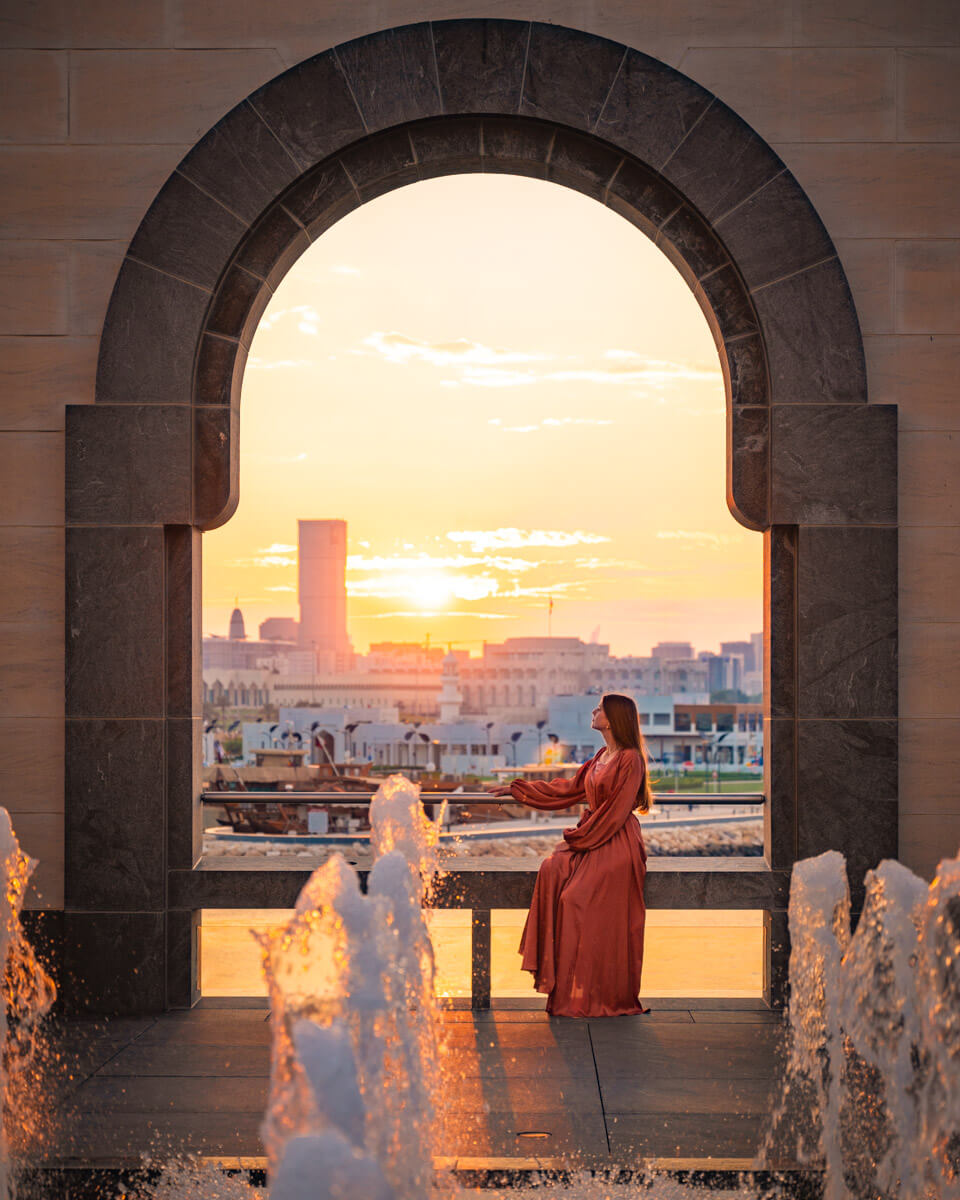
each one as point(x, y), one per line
point(613, 812)
point(552, 794)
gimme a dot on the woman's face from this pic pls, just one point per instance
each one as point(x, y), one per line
point(598, 719)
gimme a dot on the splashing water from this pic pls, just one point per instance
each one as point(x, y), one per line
point(872, 1086)
point(28, 994)
point(355, 1022)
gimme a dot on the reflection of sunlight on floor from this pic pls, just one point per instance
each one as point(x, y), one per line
point(687, 952)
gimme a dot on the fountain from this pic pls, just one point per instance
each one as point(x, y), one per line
point(870, 1098)
point(872, 1085)
point(28, 994)
point(354, 1065)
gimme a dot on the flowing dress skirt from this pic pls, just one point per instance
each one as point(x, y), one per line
point(583, 939)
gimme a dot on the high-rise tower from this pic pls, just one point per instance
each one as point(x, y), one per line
point(322, 587)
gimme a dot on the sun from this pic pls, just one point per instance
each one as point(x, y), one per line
point(431, 592)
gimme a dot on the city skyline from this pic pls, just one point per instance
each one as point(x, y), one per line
point(513, 453)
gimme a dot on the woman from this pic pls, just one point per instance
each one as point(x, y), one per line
point(583, 939)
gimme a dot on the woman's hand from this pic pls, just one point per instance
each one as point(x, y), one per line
point(502, 790)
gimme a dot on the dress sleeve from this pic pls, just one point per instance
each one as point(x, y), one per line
point(552, 794)
point(610, 816)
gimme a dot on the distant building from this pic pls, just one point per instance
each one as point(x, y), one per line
point(279, 629)
point(238, 632)
point(451, 700)
point(235, 652)
point(322, 592)
point(672, 650)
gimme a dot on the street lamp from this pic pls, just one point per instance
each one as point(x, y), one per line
point(540, 725)
point(515, 737)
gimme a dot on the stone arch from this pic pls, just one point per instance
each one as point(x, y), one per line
point(154, 461)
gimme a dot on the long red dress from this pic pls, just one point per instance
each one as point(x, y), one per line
point(583, 938)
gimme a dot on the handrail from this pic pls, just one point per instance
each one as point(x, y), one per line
point(356, 799)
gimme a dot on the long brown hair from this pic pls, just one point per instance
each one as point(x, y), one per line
point(621, 712)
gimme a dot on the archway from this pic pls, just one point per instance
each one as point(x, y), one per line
point(154, 461)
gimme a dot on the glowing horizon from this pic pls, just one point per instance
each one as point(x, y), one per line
point(504, 414)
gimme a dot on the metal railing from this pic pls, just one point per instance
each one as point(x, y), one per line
point(466, 799)
point(480, 921)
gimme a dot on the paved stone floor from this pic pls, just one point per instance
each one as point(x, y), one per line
point(684, 1082)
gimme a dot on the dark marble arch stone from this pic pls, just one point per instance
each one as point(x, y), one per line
point(780, 572)
point(480, 64)
point(745, 370)
point(184, 778)
point(114, 637)
point(114, 821)
point(379, 164)
point(128, 464)
point(187, 233)
point(812, 336)
point(834, 464)
point(748, 448)
point(582, 163)
point(150, 336)
point(720, 162)
point(847, 621)
point(114, 962)
point(238, 305)
point(568, 75)
point(530, 99)
point(216, 466)
point(183, 958)
point(273, 246)
point(321, 197)
point(448, 146)
point(651, 108)
point(780, 811)
point(392, 75)
point(241, 163)
point(310, 109)
point(776, 232)
point(219, 373)
point(183, 621)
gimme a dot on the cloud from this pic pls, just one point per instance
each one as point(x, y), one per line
point(508, 538)
point(308, 327)
point(433, 591)
point(446, 612)
point(345, 269)
point(699, 537)
point(277, 555)
point(281, 587)
point(461, 352)
point(432, 562)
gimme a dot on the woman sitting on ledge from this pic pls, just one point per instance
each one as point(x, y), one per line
point(583, 938)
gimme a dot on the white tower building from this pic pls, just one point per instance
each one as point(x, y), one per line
point(322, 591)
point(450, 697)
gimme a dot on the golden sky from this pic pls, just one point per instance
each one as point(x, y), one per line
point(509, 394)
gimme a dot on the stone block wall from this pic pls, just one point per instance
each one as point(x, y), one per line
point(100, 100)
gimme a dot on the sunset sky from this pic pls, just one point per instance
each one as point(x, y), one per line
point(509, 394)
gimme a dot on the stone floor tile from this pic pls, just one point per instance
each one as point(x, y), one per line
point(189, 1060)
point(112, 1136)
point(672, 1094)
point(576, 1135)
point(157, 1094)
point(699, 1135)
point(738, 1016)
point(523, 1094)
